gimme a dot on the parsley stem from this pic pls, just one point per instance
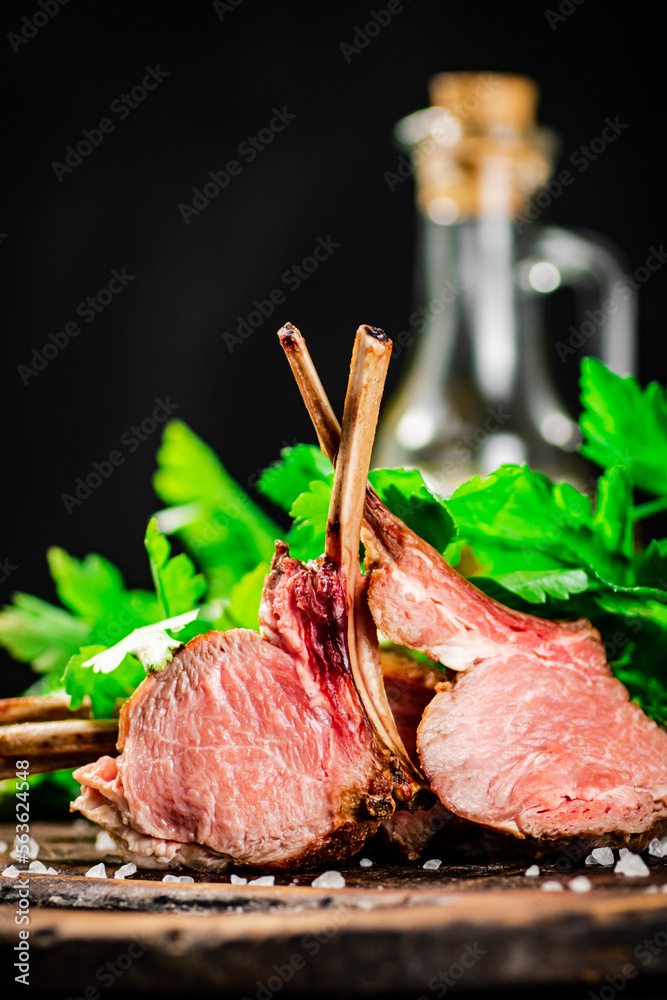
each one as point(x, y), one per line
point(648, 509)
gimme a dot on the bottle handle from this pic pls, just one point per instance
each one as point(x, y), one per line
point(585, 261)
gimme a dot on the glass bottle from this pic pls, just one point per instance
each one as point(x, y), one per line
point(480, 386)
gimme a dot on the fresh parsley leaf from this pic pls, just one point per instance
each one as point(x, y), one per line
point(225, 531)
point(34, 631)
point(177, 584)
point(89, 587)
point(307, 536)
point(95, 590)
point(613, 523)
point(82, 681)
point(244, 600)
point(623, 424)
point(151, 644)
point(517, 520)
point(407, 496)
point(403, 491)
point(298, 467)
point(538, 585)
point(651, 565)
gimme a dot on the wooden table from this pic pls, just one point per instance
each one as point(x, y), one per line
point(393, 929)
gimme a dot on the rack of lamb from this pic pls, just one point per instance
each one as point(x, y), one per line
point(277, 748)
point(533, 736)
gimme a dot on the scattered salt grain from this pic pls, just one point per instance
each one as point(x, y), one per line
point(3, 846)
point(97, 871)
point(432, 865)
point(329, 880)
point(631, 865)
point(658, 848)
point(365, 863)
point(590, 860)
point(551, 886)
point(51, 871)
point(623, 851)
point(237, 880)
point(580, 884)
point(178, 878)
point(23, 851)
point(37, 866)
point(263, 880)
point(603, 856)
point(11, 872)
point(103, 842)
point(125, 870)
point(533, 870)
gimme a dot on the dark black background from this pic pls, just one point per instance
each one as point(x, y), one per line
point(323, 176)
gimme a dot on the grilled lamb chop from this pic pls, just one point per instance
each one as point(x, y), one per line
point(535, 737)
point(277, 749)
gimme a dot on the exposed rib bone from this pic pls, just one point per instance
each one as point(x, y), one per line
point(368, 370)
point(49, 746)
point(40, 708)
point(319, 408)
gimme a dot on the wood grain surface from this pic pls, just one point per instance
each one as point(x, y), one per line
point(394, 928)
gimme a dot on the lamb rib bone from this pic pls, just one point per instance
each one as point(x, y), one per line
point(50, 746)
point(370, 359)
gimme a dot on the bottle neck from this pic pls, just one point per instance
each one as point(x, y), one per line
point(464, 174)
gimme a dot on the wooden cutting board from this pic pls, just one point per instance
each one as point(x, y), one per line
point(394, 928)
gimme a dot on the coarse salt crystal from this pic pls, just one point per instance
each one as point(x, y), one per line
point(329, 880)
point(37, 866)
point(22, 851)
point(603, 856)
point(3, 846)
point(97, 871)
point(623, 851)
point(103, 842)
point(632, 865)
point(365, 863)
point(590, 860)
point(551, 886)
point(125, 870)
point(51, 871)
point(658, 848)
point(263, 880)
point(238, 880)
point(178, 878)
point(432, 865)
point(11, 872)
point(532, 871)
point(580, 884)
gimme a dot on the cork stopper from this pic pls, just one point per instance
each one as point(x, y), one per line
point(487, 100)
point(477, 149)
